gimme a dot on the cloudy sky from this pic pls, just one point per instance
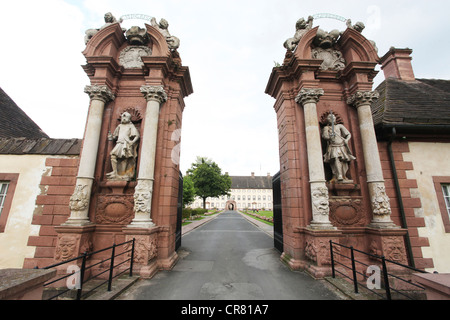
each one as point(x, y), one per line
point(230, 48)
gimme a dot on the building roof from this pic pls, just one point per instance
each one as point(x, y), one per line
point(40, 146)
point(419, 103)
point(251, 182)
point(14, 122)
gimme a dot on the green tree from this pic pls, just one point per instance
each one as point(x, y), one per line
point(208, 179)
point(188, 190)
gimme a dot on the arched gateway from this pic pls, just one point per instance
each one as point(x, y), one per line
point(230, 205)
point(128, 180)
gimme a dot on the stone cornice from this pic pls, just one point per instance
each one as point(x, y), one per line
point(154, 93)
point(99, 92)
point(309, 95)
point(361, 98)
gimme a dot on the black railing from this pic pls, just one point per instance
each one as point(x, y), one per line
point(409, 287)
point(79, 274)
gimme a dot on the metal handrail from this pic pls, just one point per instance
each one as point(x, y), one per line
point(84, 267)
point(384, 271)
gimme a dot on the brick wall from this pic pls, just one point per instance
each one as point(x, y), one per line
point(410, 202)
point(52, 209)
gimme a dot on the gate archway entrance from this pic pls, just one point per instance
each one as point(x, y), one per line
point(231, 205)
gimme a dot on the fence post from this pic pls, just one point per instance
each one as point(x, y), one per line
point(386, 279)
point(132, 258)
point(83, 267)
point(111, 268)
point(332, 260)
point(355, 281)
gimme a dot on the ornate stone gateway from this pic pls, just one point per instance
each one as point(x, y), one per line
point(331, 179)
point(127, 186)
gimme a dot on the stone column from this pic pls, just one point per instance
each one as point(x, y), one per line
point(308, 98)
point(155, 96)
point(79, 201)
point(380, 201)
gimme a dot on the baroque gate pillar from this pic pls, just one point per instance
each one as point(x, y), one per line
point(331, 179)
point(126, 185)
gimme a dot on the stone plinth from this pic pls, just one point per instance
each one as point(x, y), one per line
point(23, 284)
point(145, 249)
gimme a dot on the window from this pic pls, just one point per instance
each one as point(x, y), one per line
point(8, 182)
point(442, 188)
point(446, 193)
point(3, 190)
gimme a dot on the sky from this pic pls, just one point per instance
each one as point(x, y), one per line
point(230, 48)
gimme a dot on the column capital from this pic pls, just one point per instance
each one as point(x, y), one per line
point(155, 93)
point(99, 92)
point(361, 98)
point(308, 95)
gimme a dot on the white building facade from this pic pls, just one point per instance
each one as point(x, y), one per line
point(248, 192)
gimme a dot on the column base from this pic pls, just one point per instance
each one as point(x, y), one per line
point(141, 224)
point(321, 226)
point(383, 225)
point(77, 222)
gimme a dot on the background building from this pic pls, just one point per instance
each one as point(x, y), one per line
point(248, 192)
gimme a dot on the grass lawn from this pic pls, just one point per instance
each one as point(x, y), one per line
point(261, 213)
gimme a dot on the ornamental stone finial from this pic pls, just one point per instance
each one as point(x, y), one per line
point(99, 92)
point(155, 93)
point(363, 98)
point(309, 95)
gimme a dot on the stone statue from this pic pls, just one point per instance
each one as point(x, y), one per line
point(338, 153)
point(359, 26)
point(162, 26)
point(124, 154)
point(109, 19)
point(301, 27)
point(325, 39)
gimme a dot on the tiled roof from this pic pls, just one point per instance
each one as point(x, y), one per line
point(251, 182)
point(40, 146)
point(423, 102)
point(15, 123)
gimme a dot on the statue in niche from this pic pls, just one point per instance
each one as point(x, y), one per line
point(301, 26)
point(124, 154)
point(338, 153)
point(162, 26)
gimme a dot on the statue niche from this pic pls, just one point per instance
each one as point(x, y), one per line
point(337, 154)
point(124, 153)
